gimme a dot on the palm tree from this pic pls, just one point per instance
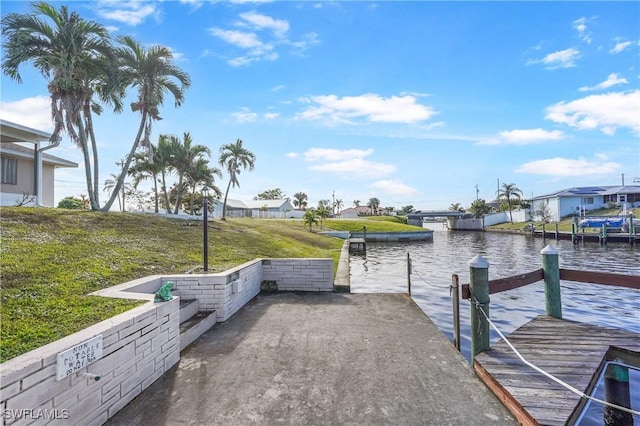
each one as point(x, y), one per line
point(200, 174)
point(479, 207)
point(310, 218)
point(508, 192)
point(234, 158)
point(373, 204)
point(322, 212)
point(300, 200)
point(456, 207)
point(338, 205)
point(145, 168)
point(356, 203)
point(185, 156)
point(154, 74)
point(110, 185)
point(77, 58)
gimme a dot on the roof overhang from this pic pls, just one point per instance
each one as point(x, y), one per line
point(12, 132)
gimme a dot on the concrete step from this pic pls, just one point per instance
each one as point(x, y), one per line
point(188, 308)
point(195, 327)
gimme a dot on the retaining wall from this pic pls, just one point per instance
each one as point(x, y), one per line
point(138, 346)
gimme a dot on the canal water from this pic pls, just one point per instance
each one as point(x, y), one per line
point(384, 270)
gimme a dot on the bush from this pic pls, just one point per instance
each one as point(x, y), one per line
point(73, 203)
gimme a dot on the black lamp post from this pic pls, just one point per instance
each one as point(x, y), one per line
point(205, 223)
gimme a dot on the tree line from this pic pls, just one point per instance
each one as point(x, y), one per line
point(86, 69)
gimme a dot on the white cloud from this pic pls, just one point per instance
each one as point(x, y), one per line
point(271, 115)
point(393, 187)
point(612, 80)
point(128, 12)
point(620, 46)
point(292, 155)
point(605, 112)
point(260, 22)
point(568, 167)
point(369, 107)
point(355, 167)
point(331, 154)
point(347, 162)
point(560, 59)
point(524, 137)
point(277, 88)
point(259, 42)
point(32, 112)
point(245, 115)
point(240, 39)
point(580, 25)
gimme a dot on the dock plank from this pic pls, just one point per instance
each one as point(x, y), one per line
point(569, 350)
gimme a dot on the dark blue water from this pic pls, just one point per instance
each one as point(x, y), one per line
point(384, 270)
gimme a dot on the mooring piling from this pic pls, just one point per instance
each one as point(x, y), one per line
point(551, 271)
point(479, 288)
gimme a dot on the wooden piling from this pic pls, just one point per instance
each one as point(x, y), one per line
point(551, 272)
point(479, 288)
point(409, 274)
point(455, 294)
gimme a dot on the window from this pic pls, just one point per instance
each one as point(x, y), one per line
point(9, 171)
point(587, 200)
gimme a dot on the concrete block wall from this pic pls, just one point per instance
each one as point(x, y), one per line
point(138, 346)
point(299, 274)
point(225, 292)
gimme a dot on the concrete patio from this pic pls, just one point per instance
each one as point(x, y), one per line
point(319, 358)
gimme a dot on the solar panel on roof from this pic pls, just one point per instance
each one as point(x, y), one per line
point(587, 190)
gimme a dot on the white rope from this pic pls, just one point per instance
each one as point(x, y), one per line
point(552, 377)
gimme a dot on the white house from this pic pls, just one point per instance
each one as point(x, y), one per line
point(27, 172)
point(355, 212)
point(580, 200)
point(272, 209)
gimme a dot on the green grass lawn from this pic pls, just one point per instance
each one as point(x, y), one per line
point(50, 259)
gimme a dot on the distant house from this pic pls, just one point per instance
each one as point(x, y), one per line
point(580, 200)
point(27, 172)
point(355, 212)
point(272, 209)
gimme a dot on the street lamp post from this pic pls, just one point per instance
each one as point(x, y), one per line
point(205, 223)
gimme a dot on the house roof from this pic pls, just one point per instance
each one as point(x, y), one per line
point(13, 132)
point(361, 209)
point(21, 151)
point(270, 204)
point(257, 204)
point(592, 190)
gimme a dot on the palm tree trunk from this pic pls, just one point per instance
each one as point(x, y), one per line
point(94, 149)
point(87, 165)
point(127, 162)
point(155, 191)
point(224, 204)
point(178, 195)
point(164, 191)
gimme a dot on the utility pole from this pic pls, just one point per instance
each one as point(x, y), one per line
point(477, 191)
point(623, 179)
point(333, 205)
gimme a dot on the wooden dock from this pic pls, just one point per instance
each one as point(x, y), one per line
point(613, 237)
point(571, 351)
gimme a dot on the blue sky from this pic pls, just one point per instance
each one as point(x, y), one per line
point(414, 103)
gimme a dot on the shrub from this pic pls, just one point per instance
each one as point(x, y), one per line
point(73, 203)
